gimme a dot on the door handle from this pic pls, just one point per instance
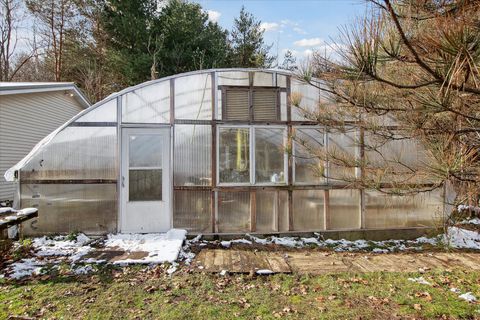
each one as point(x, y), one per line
point(123, 182)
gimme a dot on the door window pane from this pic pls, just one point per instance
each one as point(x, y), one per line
point(269, 156)
point(234, 155)
point(145, 185)
point(145, 151)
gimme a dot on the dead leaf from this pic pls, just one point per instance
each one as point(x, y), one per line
point(417, 306)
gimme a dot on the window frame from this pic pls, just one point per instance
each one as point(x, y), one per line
point(252, 149)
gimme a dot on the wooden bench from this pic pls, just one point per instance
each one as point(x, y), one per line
point(10, 217)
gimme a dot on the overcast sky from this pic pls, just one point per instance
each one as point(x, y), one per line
point(300, 26)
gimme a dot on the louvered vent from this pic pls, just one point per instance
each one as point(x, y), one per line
point(237, 105)
point(265, 105)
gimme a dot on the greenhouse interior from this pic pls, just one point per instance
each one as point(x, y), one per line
point(212, 152)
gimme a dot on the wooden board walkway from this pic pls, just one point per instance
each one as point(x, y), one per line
point(242, 261)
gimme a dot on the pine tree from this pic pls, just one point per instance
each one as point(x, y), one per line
point(248, 47)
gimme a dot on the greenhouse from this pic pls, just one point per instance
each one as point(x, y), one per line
point(212, 152)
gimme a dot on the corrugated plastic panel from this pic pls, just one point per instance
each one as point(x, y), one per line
point(107, 112)
point(76, 153)
point(193, 97)
point(233, 212)
point(271, 211)
point(149, 104)
point(193, 155)
point(233, 78)
point(308, 210)
point(393, 211)
point(309, 156)
point(344, 206)
point(66, 208)
point(192, 210)
point(309, 98)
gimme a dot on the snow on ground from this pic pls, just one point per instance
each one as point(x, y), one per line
point(463, 207)
point(420, 280)
point(462, 238)
point(26, 267)
point(161, 247)
point(468, 297)
point(51, 251)
point(74, 249)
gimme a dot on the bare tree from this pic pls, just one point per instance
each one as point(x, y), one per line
point(11, 60)
point(56, 18)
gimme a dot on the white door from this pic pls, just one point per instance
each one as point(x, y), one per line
point(145, 180)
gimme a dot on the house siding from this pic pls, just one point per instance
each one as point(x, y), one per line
point(25, 119)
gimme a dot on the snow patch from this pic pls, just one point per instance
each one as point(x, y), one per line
point(83, 270)
point(160, 247)
point(62, 246)
point(26, 268)
point(420, 280)
point(468, 297)
point(264, 272)
point(6, 210)
point(461, 238)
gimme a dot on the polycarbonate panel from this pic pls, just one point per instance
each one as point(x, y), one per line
point(271, 211)
point(233, 78)
point(263, 79)
point(193, 97)
point(344, 207)
point(307, 97)
point(148, 104)
point(393, 160)
point(192, 211)
point(309, 156)
point(234, 155)
point(281, 81)
point(233, 212)
point(283, 106)
point(67, 208)
point(106, 112)
point(270, 165)
point(193, 155)
point(343, 151)
point(393, 211)
point(308, 210)
point(76, 153)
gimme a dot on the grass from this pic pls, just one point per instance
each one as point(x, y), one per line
point(149, 293)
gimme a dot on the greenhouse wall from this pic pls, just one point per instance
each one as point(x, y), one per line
point(225, 152)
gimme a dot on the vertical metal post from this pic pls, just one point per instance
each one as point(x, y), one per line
point(253, 211)
point(119, 164)
point(326, 210)
point(213, 197)
point(290, 158)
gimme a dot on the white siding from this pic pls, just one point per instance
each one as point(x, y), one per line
point(25, 119)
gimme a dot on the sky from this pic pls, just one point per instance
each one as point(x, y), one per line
point(299, 26)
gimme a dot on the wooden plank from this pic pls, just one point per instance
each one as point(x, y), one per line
point(209, 258)
point(277, 263)
point(236, 265)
